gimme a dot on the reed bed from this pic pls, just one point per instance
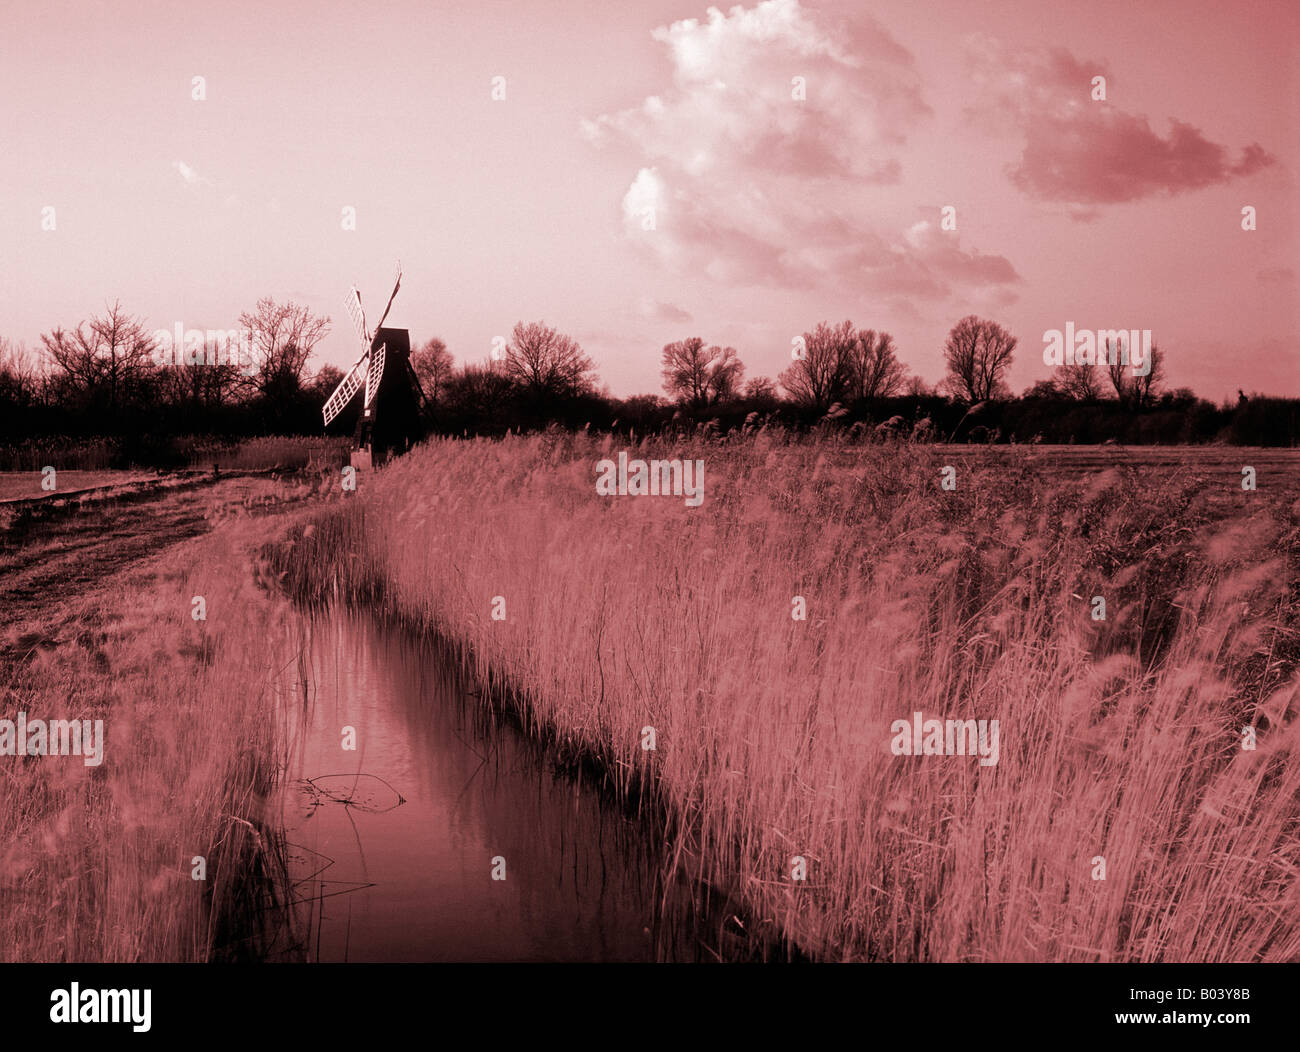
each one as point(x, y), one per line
point(96, 863)
point(266, 451)
point(60, 452)
point(1120, 740)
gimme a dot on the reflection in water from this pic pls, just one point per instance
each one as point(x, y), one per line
point(394, 843)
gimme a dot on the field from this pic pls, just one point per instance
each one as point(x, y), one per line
point(1120, 739)
point(1123, 821)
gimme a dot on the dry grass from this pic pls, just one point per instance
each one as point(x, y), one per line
point(95, 862)
point(1118, 738)
point(268, 451)
point(80, 454)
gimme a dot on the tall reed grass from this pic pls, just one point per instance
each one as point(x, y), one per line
point(1120, 739)
point(67, 454)
point(96, 862)
point(266, 451)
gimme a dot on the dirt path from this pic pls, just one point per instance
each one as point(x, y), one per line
point(49, 560)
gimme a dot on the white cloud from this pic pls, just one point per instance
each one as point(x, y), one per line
point(741, 180)
point(191, 177)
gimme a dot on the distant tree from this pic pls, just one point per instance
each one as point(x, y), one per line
point(978, 353)
point(915, 387)
point(641, 412)
point(698, 376)
point(1179, 396)
point(480, 392)
point(822, 375)
point(20, 375)
point(761, 389)
point(1133, 391)
point(1080, 382)
point(1148, 386)
point(203, 384)
point(547, 363)
point(1046, 389)
point(284, 336)
point(1121, 375)
point(642, 404)
point(106, 362)
point(874, 368)
point(198, 386)
point(685, 371)
point(728, 375)
point(434, 367)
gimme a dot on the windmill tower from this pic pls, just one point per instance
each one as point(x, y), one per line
point(390, 412)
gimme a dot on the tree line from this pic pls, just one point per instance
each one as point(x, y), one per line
point(104, 377)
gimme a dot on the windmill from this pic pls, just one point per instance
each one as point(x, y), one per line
point(390, 411)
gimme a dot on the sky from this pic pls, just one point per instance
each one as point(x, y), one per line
point(655, 171)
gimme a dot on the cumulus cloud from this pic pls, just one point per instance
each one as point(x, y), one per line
point(756, 163)
point(732, 102)
point(1084, 153)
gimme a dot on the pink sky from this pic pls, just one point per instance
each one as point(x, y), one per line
point(771, 214)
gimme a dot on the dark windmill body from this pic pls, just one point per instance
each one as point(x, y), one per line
point(390, 411)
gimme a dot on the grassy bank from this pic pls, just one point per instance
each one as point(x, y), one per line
point(96, 861)
point(1119, 738)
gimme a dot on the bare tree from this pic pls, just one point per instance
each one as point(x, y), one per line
point(821, 376)
point(1134, 391)
point(915, 387)
point(760, 389)
point(434, 367)
point(206, 379)
point(545, 362)
point(1121, 374)
point(728, 372)
point(284, 336)
point(1148, 386)
point(978, 353)
point(875, 371)
point(685, 370)
point(106, 361)
point(198, 386)
point(700, 376)
point(20, 374)
point(1080, 382)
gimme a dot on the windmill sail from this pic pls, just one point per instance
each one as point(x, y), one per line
point(362, 372)
point(374, 374)
point(397, 285)
point(347, 388)
point(358, 317)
